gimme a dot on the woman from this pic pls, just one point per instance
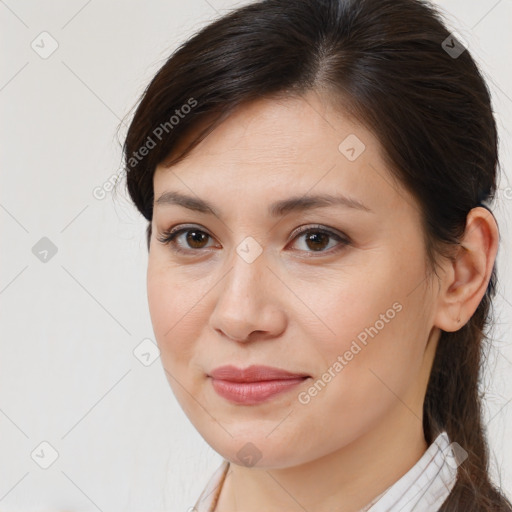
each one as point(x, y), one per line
point(316, 177)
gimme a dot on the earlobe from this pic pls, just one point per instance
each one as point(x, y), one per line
point(467, 275)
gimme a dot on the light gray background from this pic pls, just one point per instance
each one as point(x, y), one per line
point(68, 374)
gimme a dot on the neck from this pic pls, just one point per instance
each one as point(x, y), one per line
point(345, 480)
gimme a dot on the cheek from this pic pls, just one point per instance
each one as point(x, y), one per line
point(172, 314)
point(374, 333)
point(357, 306)
point(362, 379)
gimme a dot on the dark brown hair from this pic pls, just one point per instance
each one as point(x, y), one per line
point(393, 66)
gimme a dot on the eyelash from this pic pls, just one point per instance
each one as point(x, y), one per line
point(167, 238)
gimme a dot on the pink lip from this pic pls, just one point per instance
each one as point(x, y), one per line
point(254, 384)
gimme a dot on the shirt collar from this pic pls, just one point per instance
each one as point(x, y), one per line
point(426, 486)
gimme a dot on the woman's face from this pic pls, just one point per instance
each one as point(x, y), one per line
point(345, 302)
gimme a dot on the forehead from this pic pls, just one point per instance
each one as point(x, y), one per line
point(286, 124)
point(286, 146)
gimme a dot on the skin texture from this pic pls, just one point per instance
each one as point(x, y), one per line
point(299, 309)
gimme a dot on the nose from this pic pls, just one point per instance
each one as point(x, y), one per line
point(248, 304)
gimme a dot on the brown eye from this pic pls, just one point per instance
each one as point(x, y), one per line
point(317, 239)
point(194, 240)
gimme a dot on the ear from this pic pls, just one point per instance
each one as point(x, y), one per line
point(467, 275)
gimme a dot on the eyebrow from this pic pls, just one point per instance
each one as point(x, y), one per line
point(277, 209)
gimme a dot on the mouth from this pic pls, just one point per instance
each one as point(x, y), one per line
point(253, 385)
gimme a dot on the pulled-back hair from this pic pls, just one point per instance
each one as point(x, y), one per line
point(395, 67)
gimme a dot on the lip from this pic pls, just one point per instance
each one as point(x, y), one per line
point(254, 373)
point(253, 385)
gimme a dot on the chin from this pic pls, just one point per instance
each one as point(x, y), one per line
point(255, 450)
